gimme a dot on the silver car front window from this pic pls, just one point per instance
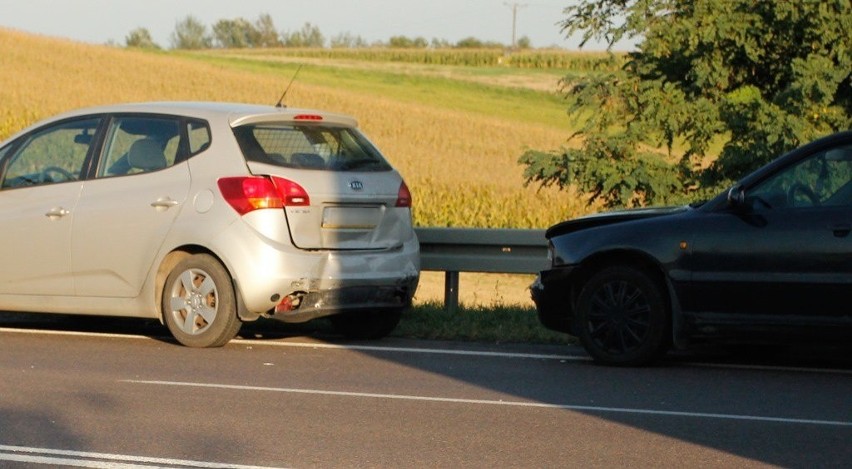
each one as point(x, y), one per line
point(51, 155)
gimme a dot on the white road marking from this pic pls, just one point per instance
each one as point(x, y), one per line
point(72, 333)
point(56, 457)
point(440, 351)
point(582, 408)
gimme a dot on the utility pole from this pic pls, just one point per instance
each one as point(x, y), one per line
point(514, 7)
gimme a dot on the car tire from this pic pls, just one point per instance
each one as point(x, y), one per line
point(366, 324)
point(199, 304)
point(622, 317)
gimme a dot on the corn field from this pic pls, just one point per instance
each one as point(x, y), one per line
point(528, 59)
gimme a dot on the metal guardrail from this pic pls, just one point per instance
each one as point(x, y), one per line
point(454, 250)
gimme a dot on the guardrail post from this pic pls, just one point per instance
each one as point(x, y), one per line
point(451, 291)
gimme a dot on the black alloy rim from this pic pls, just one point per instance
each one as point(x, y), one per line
point(619, 317)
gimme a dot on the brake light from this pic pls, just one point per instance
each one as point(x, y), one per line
point(307, 117)
point(293, 194)
point(246, 194)
point(403, 197)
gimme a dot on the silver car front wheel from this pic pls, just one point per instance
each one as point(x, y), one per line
point(199, 305)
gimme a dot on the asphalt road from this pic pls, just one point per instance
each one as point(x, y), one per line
point(119, 393)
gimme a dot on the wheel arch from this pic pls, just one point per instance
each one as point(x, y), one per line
point(182, 252)
point(625, 257)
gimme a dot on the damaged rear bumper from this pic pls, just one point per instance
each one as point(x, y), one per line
point(304, 306)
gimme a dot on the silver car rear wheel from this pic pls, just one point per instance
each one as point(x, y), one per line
point(199, 304)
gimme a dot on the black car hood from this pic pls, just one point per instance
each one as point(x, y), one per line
point(608, 218)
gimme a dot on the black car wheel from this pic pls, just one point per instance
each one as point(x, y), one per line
point(622, 317)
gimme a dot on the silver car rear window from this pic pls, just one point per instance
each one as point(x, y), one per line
point(313, 146)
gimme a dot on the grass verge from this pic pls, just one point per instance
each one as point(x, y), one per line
point(492, 324)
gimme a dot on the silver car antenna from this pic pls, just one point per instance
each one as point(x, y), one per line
point(280, 102)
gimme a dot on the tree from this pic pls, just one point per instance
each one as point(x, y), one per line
point(404, 42)
point(755, 79)
point(235, 34)
point(308, 36)
point(267, 35)
point(141, 38)
point(524, 42)
point(469, 43)
point(347, 40)
point(190, 33)
point(440, 43)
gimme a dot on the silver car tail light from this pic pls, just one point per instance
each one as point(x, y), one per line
point(248, 193)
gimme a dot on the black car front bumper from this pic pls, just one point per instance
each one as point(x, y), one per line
point(552, 293)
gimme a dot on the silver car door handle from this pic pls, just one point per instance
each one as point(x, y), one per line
point(166, 202)
point(57, 213)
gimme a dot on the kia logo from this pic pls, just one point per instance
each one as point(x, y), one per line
point(356, 185)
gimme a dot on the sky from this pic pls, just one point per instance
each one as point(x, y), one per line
point(103, 21)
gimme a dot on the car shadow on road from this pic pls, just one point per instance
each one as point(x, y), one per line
point(260, 330)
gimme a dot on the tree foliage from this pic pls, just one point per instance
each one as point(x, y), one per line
point(190, 33)
point(238, 33)
point(347, 40)
point(471, 42)
point(405, 42)
point(754, 79)
point(141, 38)
point(309, 36)
point(266, 33)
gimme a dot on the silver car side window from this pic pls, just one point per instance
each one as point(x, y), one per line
point(51, 155)
point(137, 144)
point(198, 135)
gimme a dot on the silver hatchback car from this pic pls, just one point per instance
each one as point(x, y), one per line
point(205, 215)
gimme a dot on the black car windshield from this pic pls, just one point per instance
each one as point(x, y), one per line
point(319, 147)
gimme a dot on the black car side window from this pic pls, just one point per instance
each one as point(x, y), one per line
point(822, 179)
point(837, 186)
point(51, 155)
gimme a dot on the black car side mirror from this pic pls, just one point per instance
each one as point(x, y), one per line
point(736, 196)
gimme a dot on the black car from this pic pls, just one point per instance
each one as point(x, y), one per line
point(769, 260)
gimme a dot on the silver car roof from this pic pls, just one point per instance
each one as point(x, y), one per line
point(235, 113)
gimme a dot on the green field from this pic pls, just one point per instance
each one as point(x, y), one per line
point(501, 92)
